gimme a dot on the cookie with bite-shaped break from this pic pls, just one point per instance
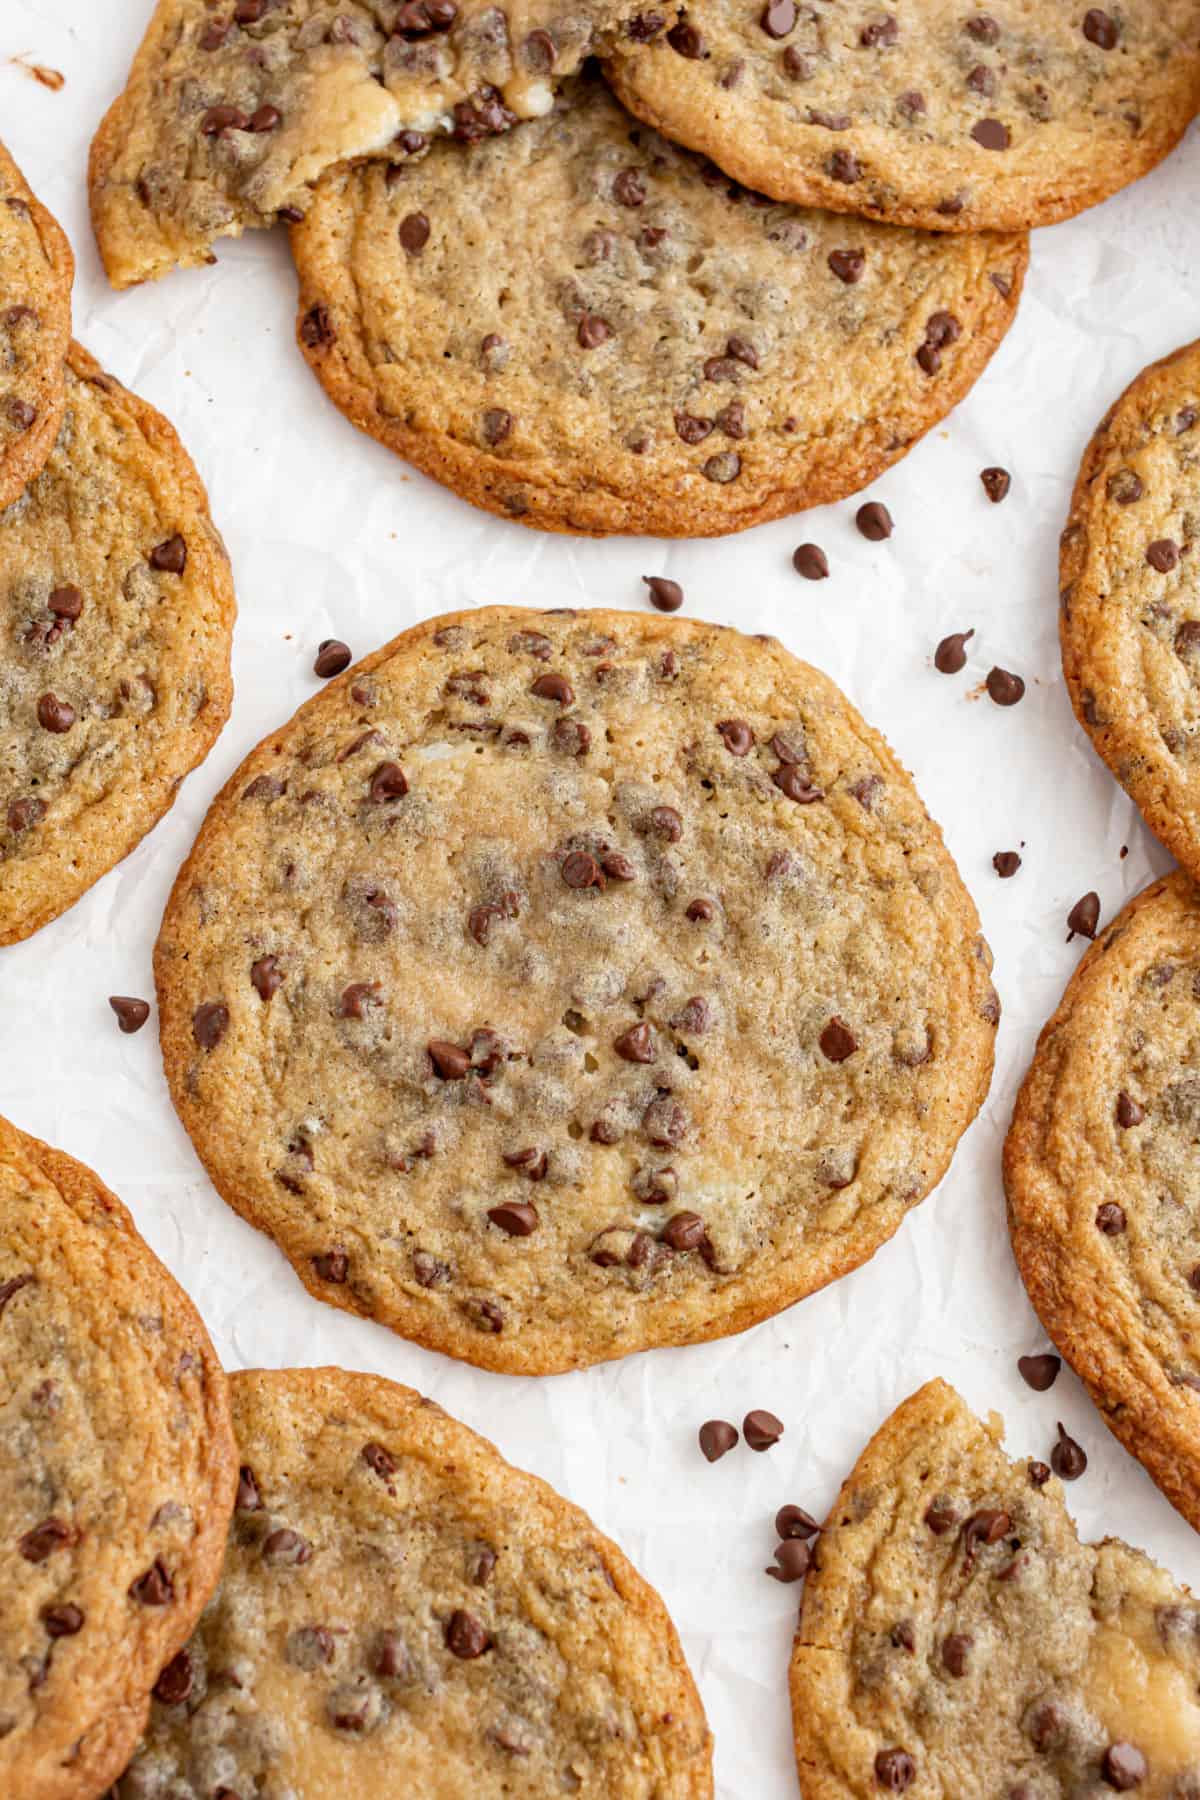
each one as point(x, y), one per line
point(581, 327)
point(36, 271)
point(231, 111)
point(116, 617)
point(1103, 1190)
point(117, 1474)
point(956, 1637)
point(402, 1612)
point(922, 112)
point(553, 986)
point(1129, 623)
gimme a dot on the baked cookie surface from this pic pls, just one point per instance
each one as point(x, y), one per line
point(581, 327)
point(36, 271)
point(116, 615)
point(1129, 623)
point(117, 1474)
point(401, 1612)
point(551, 987)
point(1103, 1188)
point(231, 112)
point(922, 112)
point(957, 1640)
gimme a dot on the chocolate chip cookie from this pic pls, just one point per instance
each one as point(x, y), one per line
point(1130, 598)
point(234, 107)
point(117, 1474)
point(1103, 1196)
point(403, 1613)
point(36, 271)
point(581, 327)
point(116, 613)
point(923, 112)
point(553, 986)
point(956, 1638)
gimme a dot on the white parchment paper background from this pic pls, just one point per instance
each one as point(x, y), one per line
point(332, 536)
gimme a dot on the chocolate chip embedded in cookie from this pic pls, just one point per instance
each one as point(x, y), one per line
point(401, 1612)
point(921, 112)
point(1100, 1169)
point(621, 994)
point(597, 332)
point(116, 612)
point(957, 1638)
point(1130, 597)
point(36, 271)
point(117, 1474)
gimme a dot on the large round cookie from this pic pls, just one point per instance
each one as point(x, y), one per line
point(956, 1638)
point(922, 112)
point(36, 270)
point(117, 1474)
point(116, 614)
point(1104, 1188)
point(230, 112)
point(1130, 614)
point(581, 327)
point(402, 1613)
point(554, 986)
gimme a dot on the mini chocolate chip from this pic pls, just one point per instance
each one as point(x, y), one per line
point(717, 1438)
point(615, 864)
point(223, 118)
point(737, 736)
point(792, 1558)
point(389, 782)
point(357, 999)
point(956, 1652)
point(25, 812)
point(940, 1516)
point(1068, 1459)
point(497, 425)
point(1128, 1110)
point(1039, 1474)
point(847, 265)
point(685, 40)
point(450, 1061)
point(554, 687)
point(249, 1499)
point(466, 1637)
point(1039, 1372)
point(794, 1522)
point(131, 1014)
point(700, 911)
point(210, 1022)
point(516, 1217)
point(996, 483)
point(691, 429)
point(62, 1621)
point(1084, 916)
point(266, 977)
point(778, 18)
point(54, 714)
point(629, 189)
point(170, 557)
point(845, 167)
point(665, 823)
point(1110, 1219)
point(332, 1266)
point(1100, 29)
point(316, 327)
point(175, 1682)
point(264, 118)
point(722, 468)
point(903, 1637)
point(1162, 554)
point(154, 1587)
point(332, 657)
point(1004, 687)
point(685, 1231)
point(1124, 1767)
point(666, 595)
point(1006, 863)
point(874, 521)
point(837, 1041)
point(810, 561)
point(414, 233)
point(592, 331)
point(379, 1460)
point(986, 1527)
point(1125, 487)
point(579, 870)
point(530, 1162)
point(44, 1539)
point(286, 1548)
point(951, 654)
point(895, 1770)
point(66, 603)
point(789, 778)
point(429, 1270)
point(991, 134)
point(761, 1430)
point(391, 1660)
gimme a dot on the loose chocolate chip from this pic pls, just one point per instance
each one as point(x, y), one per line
point(44, 1540)
point(1100, 29)
point(25, 812)
point(810, 561)
point(249, 1498)
point(794, 1522)
point(175, 1682)
point(837, 1041)
point(450, 1061)
point(380, 1461)
point(316, 327)
point(761, 1430)
point(554, 687)
point(62, 1621)
point(466, 1637)
point(332, 657)
point(516, 1217)
point(685, 40)
point(737, 736)
point(389, 782)
point(154, 1587)
point(1124, 1767)
point(1162, 554)
point(131, 1014)
point(1110, 1219)
point(951, 654)
point(895, 1770)
point(790, 780)
point(579, 870)
point(1004, 687)
point(286, 1548)
point(1084, 917)
point(847, 265)
point(666, 595)
point(1068, 1459)
point(717, 1439)
point(1039, 1372)
point(332, 1266)
point(996, 483)
point(1125, 487)
point(791, 1560)
point(170, 557)
point(956, 1652)
point(1006, 863)
point(54, 714)
point(874, 521)
point(592, 331)
point(210, 1022)
point(684, 1231)
point(1129, 1112)
point(991, 134)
